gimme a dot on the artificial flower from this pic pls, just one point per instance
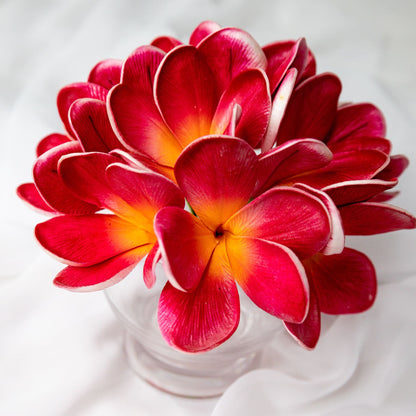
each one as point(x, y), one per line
point(275, 172)
point(165, 101)
point(82, 109)
point(256, 244)
point(99, 248)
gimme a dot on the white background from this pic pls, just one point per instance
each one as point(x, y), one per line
point(60, 352)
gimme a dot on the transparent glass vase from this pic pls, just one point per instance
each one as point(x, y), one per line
point(200, 375)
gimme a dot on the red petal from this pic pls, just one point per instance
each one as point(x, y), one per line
point(312, 109)
point(361, 143)
point(357, 120)
point(347, 166)
point(396, 166)
point(280, 102)
point(51, 186)
point(290, 159)
point(29, 193)
point(139, 125)
point(186, 245)
point(344, 193)
point(143, 194)
point(186, 94)
point(271, 275)
point(217, 175)
point(203, 319)
point(102, 275)
point(282, 56)
point(202, 31)
point(384, 197)
point(344, 283)
point(336, 241)
point(230, 51)
point(84, 175)
point(307, 333)
point(90, 123)
point(310, 68)
point(250, 91)
point(140, 68)
point(165, 43)
point(149, 274)
point(287, 216)
point(51, 141)
point(133, 112)
point(86, 240)
point(73, 92)
point(368, 218)
point(106, 73)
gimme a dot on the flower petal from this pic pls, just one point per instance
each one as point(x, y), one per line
point(149, 273)
point(290, 159)
point(102, 275)
point(312, 109)
point(280, 102)
point(73, 92)
point(90, 123)
point(139, 125)
point(165, 43)
point(140, 67)
point(384, 196)
point(307, 333)
point(84, 175)
point(106, 73)
point(186, 93)
point(287, 216)
point(271, 275)
point(85, 240)
point(357, 120)
point(347, 192)
point(250, 91)
point(336, 240)
point(361, 143)
point(30, 194)
point(230, 51)
point(347, 166)
point(186, 246)
point(396, 166)
point(310, 68)
point(51, 186)
point(51, 141)
point(217, 175)
point(205, 318)
point(282, 56)
point(368, 218)
point(202, 31)
point(344, 283)
point(143, 193)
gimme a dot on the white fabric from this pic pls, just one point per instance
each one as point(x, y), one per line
point(60, 352)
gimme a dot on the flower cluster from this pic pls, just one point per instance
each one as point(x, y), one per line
point(233, 164)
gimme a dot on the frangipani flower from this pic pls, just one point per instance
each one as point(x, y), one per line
point(256, 244)
point(275, 171)
point(101, 249)
point(165, 101)
point(82, 109)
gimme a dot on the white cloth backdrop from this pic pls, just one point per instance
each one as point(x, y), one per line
point(60, 352)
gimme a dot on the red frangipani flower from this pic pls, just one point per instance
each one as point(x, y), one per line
point(82, 109)
point(165, 101)
point(257, 244)
point(101, 249)
point(274, 170)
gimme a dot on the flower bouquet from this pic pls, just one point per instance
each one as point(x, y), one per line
point(232, 164)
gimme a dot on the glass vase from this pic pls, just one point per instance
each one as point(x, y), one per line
point(199, 375)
